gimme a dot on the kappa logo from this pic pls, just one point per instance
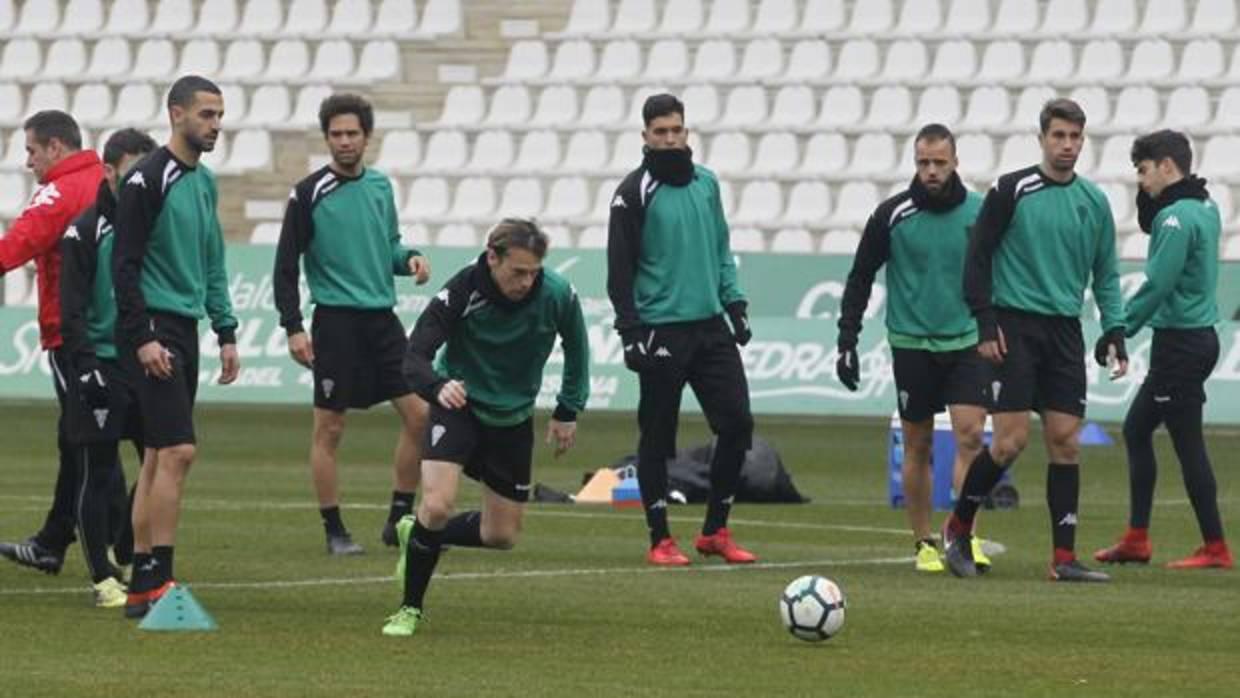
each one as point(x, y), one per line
point(1069, 519)
point(444, 296)
point(437, 433)
point(618, 202)
point(660, 504)
point(72, 233)
point(662, 353)
point(1172, 222)
point(101, 417)
point(995, 388)
point(45, 195)
point(328, 386)
point(137, 179)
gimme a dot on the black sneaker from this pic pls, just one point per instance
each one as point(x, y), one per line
point(959, 556)
point(389, 535)
point(342, 544)
point(31, 553)
point(1074, 571)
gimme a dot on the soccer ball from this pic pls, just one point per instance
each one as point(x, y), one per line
point(812, 608)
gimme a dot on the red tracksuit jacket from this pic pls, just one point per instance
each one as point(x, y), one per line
point(68, 189)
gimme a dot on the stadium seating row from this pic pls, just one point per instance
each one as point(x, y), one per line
point(140, 104)
point(243, 60)
point(848, 107)
point(909, 59)
point(230, 18)
point(910, 17)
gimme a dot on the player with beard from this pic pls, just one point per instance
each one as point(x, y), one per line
point(168, 268)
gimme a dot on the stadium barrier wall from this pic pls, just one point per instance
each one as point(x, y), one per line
point(790, 362)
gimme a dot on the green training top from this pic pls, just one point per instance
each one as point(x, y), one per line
point(1181, 269)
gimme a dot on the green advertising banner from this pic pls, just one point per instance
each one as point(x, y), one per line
point(790, 362)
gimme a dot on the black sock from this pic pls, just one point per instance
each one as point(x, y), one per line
point(984, 474)
point(1063, 491)
point(1143, 418)
point(163, 564)
point(332, 522)
point(1184, 424)
point(402, 505)
point(421, 555)
point(725, 472)
point(97, 463)
point(652, 480)
point(143, 572)
point(463, 530)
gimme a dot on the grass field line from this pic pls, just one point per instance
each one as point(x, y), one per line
point(503, 574)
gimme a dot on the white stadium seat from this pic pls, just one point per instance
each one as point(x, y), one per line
point(822, 16)
point(243, 59)
point(1151, 60)
point(400, 152)
point(777, 154)
point(594, 237)
point(809, 60)
point(157, 59)
point(871, 17)
point(1230, 252)
point(306, 109)
point(82, 17)
point(976, 154)
point(1100, 60)
point(586, 152)
point(604, 106)
point(445, 151)
point(464, 105)
point(588, 17)
point(873, 154)
point(428, 198)
point(746, 106)
point(333, 60)
point(527, 60)
point(306, 18)
point(1121, 200)
point(1052, 61)
point(701, 106)
point(217, 159)
point(1029, 106)
point(522, 197)
point(1096, 103)
point(1134, 246)
point(265, 234)
point(1002, 61)
point(1214, 17)
point(634, 17)
point(128, 17)
point(775, 17)
point(22, 58)
point(1114, 17)
point(12, 198)
point(173, 17)
point(539, 152)
point(198, 57)
point(510, 106)
point(1227, 114)
point(1226, 205)
point(744, 239)
point(1163, 17)
point(492, 153)
point(217, 17)
point(1114, 162)
point(396, 17)
point(474, 198)
point(906, 61)
point(47, 95)
point(1201, 59)
point(969, 16)
point(350, 17)
point(715, 60)
point(65, 58)
point(415, 235)
point(92, 104)
point(603, 196)
point(1016, 17)
point(620, 60)
point(809, 203)
point(441, 17)
point(854, 203)
point(730, 153)
point(988, 107)
point(1221, 157)
point(890, 107)
point(261, 18)
point(1065, 17)
point(457, 235)
point(954, 60)
point(380, 60)
point(922, 17)
point(110, 58)
point(858, 59)
point(11, 111)
point(793, 241)
point(728, 17)
point(15, 151)
point(939, 104)
point(574, 60)
point(1019, 150)
point(270, 105)
point(569, 198)
point(1136, 108)
point(764, 59)
point(668, 59)
point(842, 105)
point(840, 242)
point(557, 105)
point(794, 106)
point(38, 18)
point(237, 103)
point(761, 202)
point(289, 60)
point(683, 17)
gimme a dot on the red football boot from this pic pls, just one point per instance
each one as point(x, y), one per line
point(1211, 555)
point(721, 544)
point(1133, 547)
point(666, 553)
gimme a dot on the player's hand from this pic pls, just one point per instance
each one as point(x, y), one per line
point(420, 268)
point(639, 348)
point(848, 367)
point(1111, 351)
point(452, 395)
point(230, 364)
point(93, 388)
point(155, 359)
point(994, 350)
point(562, 435)
point(301, 349)
point(739, 315)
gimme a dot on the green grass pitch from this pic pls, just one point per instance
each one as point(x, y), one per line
point(573, 610)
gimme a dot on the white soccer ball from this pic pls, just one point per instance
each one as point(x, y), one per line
point(812, 608)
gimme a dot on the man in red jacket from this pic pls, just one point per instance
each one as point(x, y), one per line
point(68, 181)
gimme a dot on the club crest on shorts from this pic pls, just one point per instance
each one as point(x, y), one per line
point(995, 387)
point(328, 386)
point(101, 417)
point(904, 399)
point(437, 433)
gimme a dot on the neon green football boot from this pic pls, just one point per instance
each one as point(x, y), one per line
point(403, 623)
point(404, 529)
point(928, 558)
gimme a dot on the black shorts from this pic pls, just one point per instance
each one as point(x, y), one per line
point(1044, 368)
point(499, 457)
point(1180, 363)
point(122, 419)
point(167, 404)
point(357, 358)
point(928, 381)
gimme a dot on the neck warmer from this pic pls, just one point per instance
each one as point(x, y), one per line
point(1191, 187)
point(948, 198)
point(673, 166)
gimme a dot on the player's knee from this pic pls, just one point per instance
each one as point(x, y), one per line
point(503, 537)
point(969, 439)
point(736, 431)
point(1006, 449)
point(180, 456)
point(434, 512)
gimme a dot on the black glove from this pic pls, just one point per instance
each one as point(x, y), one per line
point(848, 365)
point(93, 389)
point(739, 315)
point(639, 348)
point(1113, 337)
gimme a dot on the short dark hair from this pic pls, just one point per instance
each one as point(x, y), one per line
point(936, 132)
point(521, 233)
point(662, 105)
point(1164, 144)
point(53, 123)
point(347, 103)
point(182, 92)
point(1061, 108)
point(127, 141)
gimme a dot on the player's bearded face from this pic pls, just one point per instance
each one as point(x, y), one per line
point(200, 123)
point(515, 272)
point(1061, 144)
point(936, 162)
point(346, 140)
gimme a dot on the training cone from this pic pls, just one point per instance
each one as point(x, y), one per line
point(178, 610)
point(1094, 435)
